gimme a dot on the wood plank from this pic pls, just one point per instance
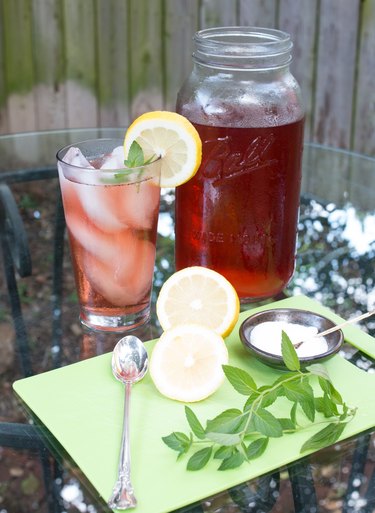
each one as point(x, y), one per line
point(104, 39)
point(335, 72)
point(180, 25)
point(258, 13)
point(19, 72)
point(321, 170)
point(353, 178)
point(112, 61)
point(49, 64)
point(3, 92)
point(81, 84)
point(361, 187)
point(299, 20)
point(364, 125)
point(218, 13)
point(145, 56)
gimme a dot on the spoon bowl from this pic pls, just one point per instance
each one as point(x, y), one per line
point(129, 360)
point(129, 365)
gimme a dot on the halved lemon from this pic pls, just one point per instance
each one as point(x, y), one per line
point(186, 362)
point(171, 136)
point(201, 296)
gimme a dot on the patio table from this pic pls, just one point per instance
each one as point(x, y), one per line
point(40, 330)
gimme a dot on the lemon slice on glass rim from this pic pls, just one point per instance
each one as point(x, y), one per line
point(186, 362)
point(172, 137)
point(201, 296)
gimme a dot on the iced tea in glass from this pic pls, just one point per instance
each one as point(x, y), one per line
point(111, 214)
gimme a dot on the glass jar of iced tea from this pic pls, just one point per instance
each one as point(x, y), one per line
point(238, 215)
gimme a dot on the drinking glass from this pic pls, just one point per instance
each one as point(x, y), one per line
point(111, 214)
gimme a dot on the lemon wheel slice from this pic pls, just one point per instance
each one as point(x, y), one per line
point(171, 136)
point(186, 362)
point(201, 296)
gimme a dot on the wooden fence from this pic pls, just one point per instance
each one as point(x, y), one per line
point(87, 63)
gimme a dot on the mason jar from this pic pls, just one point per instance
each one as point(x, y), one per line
point(238, 214)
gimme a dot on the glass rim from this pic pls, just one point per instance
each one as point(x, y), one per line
point(243, 48)
point(264, 38)
point(76, 144)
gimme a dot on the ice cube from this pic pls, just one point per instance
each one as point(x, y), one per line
point(75, 157)
point(96, 201)
point(94, 241)
point(112, 208)
point(114, 160)
point(127, 278)
point(138, 205)
point(83, 201)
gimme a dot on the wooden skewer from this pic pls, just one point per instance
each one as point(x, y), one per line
point(339, 326)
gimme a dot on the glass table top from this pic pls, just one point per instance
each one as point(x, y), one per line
point(334, 265)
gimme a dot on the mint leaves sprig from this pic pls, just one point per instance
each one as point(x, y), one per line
point(235, 436)
point(136, 159)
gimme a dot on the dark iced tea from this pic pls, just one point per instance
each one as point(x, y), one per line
point(238, 215)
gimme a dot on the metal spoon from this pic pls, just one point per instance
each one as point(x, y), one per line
point(338, 326)
point(129, 365)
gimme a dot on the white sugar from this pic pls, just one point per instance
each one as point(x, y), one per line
point(267, 336)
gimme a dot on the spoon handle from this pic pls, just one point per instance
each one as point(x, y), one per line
point(349, 321)
point(338, 327)
point(123, 495)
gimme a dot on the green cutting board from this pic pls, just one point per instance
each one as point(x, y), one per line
point(82, 405)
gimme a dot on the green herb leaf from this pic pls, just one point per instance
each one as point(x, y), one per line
point(289, 353)
point(194, 423)
point(325, 437)
point(135, 160)
point(307, 403)
point(250, 427)
point(319, 404)
point(329, 389)
point(224, 438)
point(249, 401)
point(229, 421)
point(256, 448)
point(302, 393)
point(308, 408)
point(293, 413)
point(286, 376)
point(266, 423)
point(199, 459)
point(271, 396)
point(318, 370)
point(178, 442)
point(233, 461)
point(294, 391)
point(287, 424)
point(224, 452)
point(324, 385)
point(335, 394)
point(329, 406)
point(136, 156)
point(240, 380)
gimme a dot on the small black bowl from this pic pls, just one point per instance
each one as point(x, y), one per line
point(293, 315)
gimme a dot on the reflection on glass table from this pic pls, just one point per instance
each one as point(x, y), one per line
point(334, 265)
